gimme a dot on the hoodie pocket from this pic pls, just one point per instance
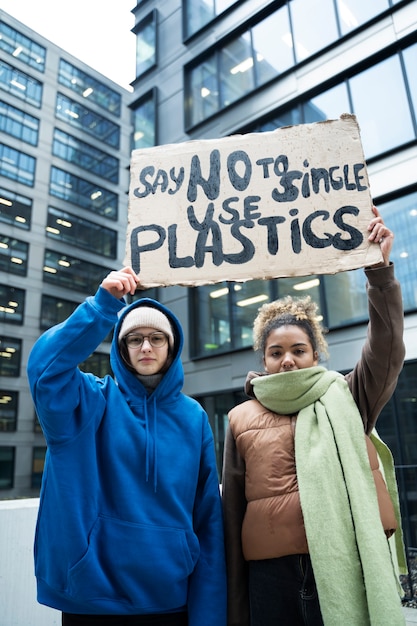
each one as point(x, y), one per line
point(143, 566)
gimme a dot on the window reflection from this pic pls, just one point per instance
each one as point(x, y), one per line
point(38, 463)
point(400, 215)
point(73, 273)
point(236, 69)
point(81, 233)
point(13, 255)
point(346, 300)
point(89, 88)
point(268, 48)
point(10, 353)
point(217, 407)
point(327, 105)
point(353, 13)
point(83, 193)
point(146, 44)
point(20, 85)
point(8, 410)
point(85, 156)
point(15, 209)
point(17, 165)
point(18, 124)
point(55, 310)
point(204, 90)
point(272, 45)
point(7, 454)
point(12, 304)
point(21, 47)
point(380, 129)
point(93, 124)
point(98, 364)
point(144, 122)
point(410, 60)
point(198, 13)
point(314, 26)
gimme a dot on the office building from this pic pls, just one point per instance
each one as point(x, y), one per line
point(64, 155)
point(207, 69)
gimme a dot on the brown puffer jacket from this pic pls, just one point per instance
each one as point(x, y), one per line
point(273, 524)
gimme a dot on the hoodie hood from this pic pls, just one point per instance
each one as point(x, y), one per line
point(127, 380)
point(147, 407)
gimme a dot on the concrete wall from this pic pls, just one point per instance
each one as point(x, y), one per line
point(18, 605)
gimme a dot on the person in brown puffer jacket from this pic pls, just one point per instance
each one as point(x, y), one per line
point(271, 569)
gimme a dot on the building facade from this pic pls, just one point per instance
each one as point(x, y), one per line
point(204, 69)
point(64, 154)
point(207, 69)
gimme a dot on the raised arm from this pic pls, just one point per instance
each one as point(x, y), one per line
point(374, 378)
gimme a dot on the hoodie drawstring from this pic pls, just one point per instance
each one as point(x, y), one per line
point(148, 444)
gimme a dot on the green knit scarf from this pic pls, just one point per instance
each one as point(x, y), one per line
point(355, 567)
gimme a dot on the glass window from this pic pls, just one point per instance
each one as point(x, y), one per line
point(380, 129)
point(246, 298)
point(17, 165)
point(353, 13)
point(273, 52)
point(145, 33)
point(73, 273)
point(8, 410)
point(286, 118)
point(20, 85)
point(327, 105)
point(15, 209)
point(410, 61)
point(81, 233)
point(84, 155)
point(345, 297)
point(211, 319)
point(314, 26)
point(400, 215)
point(6, 466)
point(198, 13)
point(223, 314)
point(397, 425)
point(83, 193)
point(13, 255)
point(217, 407)
point(203, 88)
point(89, 88)
point(98, 364)
point(92, 123)
point(38, 464)
point(12, 304)
point(144, 121)
point(37, 428)
point(236, 69)
point(18, 124)
point(55, 310)
point(10, 354)
point(21, 47)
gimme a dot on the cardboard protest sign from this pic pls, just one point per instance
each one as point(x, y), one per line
point(291, 202)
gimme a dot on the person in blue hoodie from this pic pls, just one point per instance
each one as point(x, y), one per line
point(130, 529)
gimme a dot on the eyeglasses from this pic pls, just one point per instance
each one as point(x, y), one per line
point(157, 340)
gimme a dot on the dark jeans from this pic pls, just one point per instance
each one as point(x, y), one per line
point(283, 591)
point(168, 619)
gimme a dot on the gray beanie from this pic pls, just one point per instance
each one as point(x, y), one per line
point(148, 317)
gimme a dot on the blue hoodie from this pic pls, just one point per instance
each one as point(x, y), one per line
point(130, 517)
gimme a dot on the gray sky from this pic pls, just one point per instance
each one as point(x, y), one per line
point(95, 31)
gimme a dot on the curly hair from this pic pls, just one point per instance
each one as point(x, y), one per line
point(289, 311)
